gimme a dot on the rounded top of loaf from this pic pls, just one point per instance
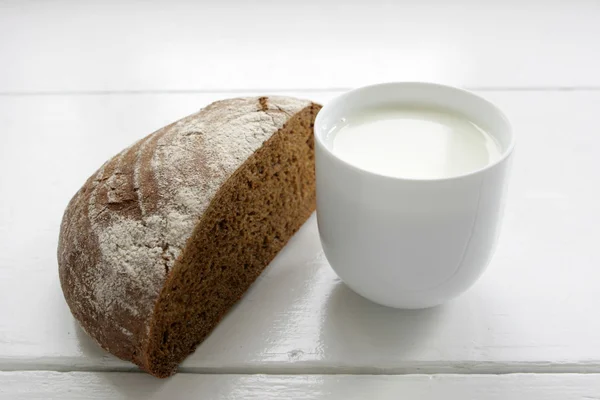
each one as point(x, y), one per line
point(125, 228)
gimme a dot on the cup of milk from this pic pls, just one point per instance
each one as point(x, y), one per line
point(411, 184)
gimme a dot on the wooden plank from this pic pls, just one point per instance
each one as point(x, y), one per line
point(77, 385)
point(533, 310)
point(235, 44)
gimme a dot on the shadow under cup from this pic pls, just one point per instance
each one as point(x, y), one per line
point(409, 243)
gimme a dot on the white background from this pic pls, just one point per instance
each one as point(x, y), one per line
point(78, 82)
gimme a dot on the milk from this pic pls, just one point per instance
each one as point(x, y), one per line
point(413, 142)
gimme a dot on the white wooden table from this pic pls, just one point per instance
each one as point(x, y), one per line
point(78, 82)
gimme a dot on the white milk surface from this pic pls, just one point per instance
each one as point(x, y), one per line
point(413, 143)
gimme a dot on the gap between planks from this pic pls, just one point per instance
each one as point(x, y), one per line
point(464, 368)
point(282, 90)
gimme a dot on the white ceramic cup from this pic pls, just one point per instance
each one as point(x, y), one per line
point(409, 243)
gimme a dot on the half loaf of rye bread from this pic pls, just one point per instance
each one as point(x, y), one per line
point(166, 236)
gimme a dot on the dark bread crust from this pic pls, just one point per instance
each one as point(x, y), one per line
point(127, 298)
point(78, 249)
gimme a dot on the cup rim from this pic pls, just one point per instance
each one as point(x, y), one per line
point(505, 154)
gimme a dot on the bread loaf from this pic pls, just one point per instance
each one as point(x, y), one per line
point(166, 236)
